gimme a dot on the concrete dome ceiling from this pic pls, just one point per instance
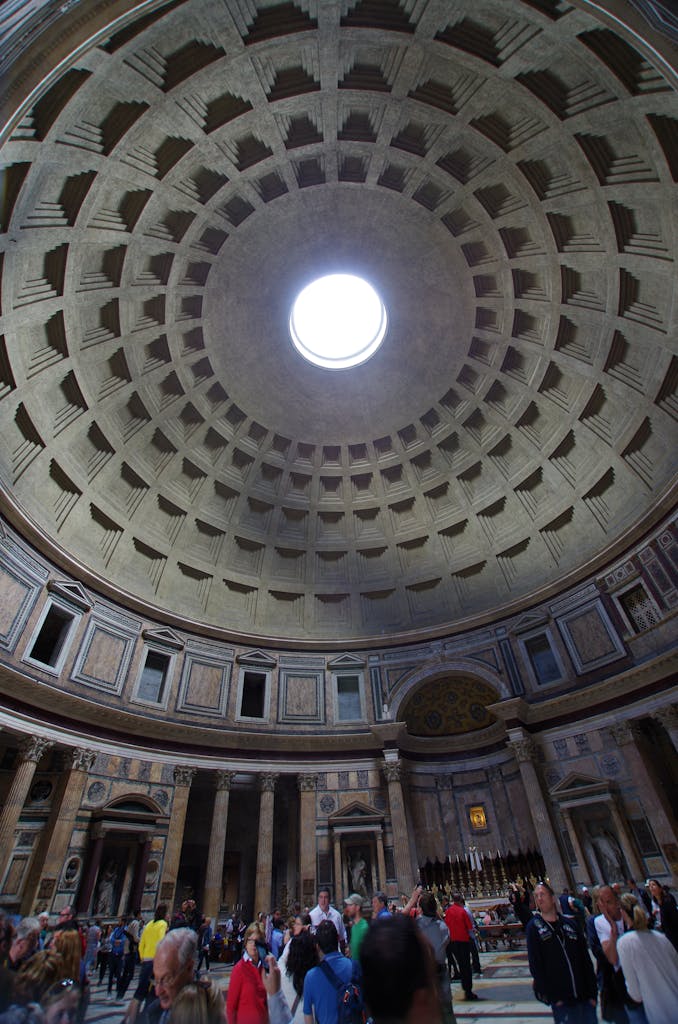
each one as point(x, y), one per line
point(503, 172)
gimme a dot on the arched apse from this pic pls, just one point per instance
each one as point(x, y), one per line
point(448, 700)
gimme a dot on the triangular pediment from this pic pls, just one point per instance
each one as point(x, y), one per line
point(576, 785)
point(259, 658)
point(530, 621)
point(346, 661)
point(72, 592)
point(355, 810)
point(163, 636)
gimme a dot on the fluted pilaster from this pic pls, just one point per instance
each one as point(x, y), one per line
point(307, 784)
point(525, 752)
point(215, 857)
point(393, 773)
point(31, 750)
point(183, 778)
point(262, 885)
point(57, 837)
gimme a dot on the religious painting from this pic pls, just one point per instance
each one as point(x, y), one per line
point(477, 817)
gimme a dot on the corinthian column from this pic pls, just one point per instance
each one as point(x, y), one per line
point(183, 777)
point(668, 718)
point(262, 885)
point(53, 851)
point(307, 843)
point(31, 749)
point(211, 900)
point(657, 808)
point(525, 753)
point(401, 846)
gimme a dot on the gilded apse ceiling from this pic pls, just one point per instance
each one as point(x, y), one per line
point(449, 707)
point(503, 171)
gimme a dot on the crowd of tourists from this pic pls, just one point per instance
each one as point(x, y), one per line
point(611, 952)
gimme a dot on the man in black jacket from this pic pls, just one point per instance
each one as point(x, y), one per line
point(560, 962)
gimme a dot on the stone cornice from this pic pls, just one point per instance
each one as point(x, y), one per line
point(593, 700)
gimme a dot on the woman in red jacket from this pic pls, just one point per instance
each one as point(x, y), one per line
point(246, 997)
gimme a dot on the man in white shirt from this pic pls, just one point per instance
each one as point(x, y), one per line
point(608, 927)
point(324, 912)
point(609, 924)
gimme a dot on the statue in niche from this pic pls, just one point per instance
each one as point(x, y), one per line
point(608, 851)
point(357, 869)
point(103, 902)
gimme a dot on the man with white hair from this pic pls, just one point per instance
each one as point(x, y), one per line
point(24, 942)
point(173, 968)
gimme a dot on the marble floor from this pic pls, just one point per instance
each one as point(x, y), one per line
point(504, 988)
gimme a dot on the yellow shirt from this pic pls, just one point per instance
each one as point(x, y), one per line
point(150, 937)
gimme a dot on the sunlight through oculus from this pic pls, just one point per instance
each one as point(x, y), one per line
point(338, 321)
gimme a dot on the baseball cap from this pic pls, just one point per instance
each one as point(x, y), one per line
point(355, 899)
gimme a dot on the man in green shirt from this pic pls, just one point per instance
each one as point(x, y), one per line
point(359, 926)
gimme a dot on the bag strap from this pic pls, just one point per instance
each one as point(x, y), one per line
point(331, 975)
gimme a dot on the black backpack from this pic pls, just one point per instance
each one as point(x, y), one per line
point(350, 1004)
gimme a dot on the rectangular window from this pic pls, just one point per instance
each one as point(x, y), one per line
point(253, 699)
point(52, 636)
point(542, 658)
point(348, 699)
point(641, 611)
point(153, 677)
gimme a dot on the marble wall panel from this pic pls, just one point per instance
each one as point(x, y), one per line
point(204, 686)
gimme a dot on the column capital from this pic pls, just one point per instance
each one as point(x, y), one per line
point(31, 748)
point(82, 759)
point(307, 782)
point(393, 771)
point(624, 733)
point(524, 749)
point(444, 782)
point(223, 780)
point(267, 781)
point(667, 716)
point(184, 776)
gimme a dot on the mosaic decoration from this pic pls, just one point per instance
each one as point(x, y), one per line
point(327, 804)
point(448, 707)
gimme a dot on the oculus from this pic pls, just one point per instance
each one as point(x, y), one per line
point(338, 321)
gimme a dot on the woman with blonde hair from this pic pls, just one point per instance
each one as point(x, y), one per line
point(69, 947)
point(246, 996)
point(198, 1003)
point(649, 963)
point(36, 975)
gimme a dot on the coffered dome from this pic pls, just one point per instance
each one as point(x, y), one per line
point(502, 172)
